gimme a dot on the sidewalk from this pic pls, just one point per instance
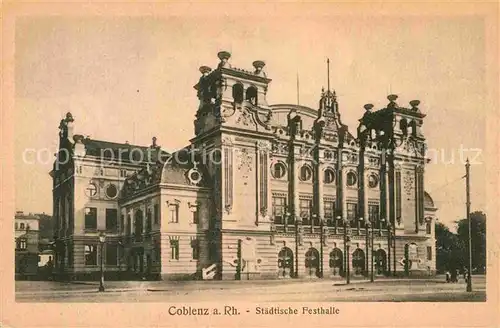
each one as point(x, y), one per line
point(152, 286)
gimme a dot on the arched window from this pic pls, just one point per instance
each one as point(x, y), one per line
point(279, 170)
point(352, 179)
point(373, 181)
point(251, 95)
point(413, 128)
point(22, 226)
point(329, 176)
point(305, 173)
point(358, 261)
point(336, 262)
point(380, 262)
point(312, 262)
point(403, 126)
point(285, 262)
point(238, 93)
point(16, 225)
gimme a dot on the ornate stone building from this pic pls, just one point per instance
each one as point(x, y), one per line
point(261, 192)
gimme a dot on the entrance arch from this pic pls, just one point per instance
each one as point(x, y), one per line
point(312, 262)
point(358, 262)
point(336, 262)
point(285, 263)
point(380, 262)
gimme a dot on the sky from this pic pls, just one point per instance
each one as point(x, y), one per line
point(129, 79)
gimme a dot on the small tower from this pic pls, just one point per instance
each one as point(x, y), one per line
point(328, 111)
point(227, 89)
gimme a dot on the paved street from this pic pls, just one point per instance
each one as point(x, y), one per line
point(398, 290)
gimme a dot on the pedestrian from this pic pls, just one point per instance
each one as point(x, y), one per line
point(447, 274)
point(466, 275)
point(453, 275)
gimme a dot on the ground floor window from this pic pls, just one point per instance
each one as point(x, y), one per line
point(90, 254)
point(285, 262)
point(358, 262)
point(174, 249)
point(336, 262)
point(111, 254)
point(312, 261)
point(380, 262)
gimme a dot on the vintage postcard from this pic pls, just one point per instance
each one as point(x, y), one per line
point(249, 164)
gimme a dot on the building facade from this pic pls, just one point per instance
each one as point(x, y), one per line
point(26, 245)
point(261, 192)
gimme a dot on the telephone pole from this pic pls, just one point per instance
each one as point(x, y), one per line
point(467, 188)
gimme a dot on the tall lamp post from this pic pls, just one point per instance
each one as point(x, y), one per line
point(467, 177)
point(389, 245)
point(347, 244)
point(369, 241)
point(102, 240)
point(321, 241)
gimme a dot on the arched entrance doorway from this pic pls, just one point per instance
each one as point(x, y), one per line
point(312, 262)
point(285, 263)
point(336, 262)
point(358, 262)
point(380, 262)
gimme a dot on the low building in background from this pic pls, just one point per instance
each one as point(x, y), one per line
point(26, 245)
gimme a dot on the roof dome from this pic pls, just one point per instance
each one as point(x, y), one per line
point(428, 202)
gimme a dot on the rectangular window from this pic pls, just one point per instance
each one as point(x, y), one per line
point(305, 210)
point(22, 244)
point(195, 249)
point(156, 213)
point(373, 215)
point(174, 213)
point(279, 209)
point(90, 254)
point(429, 253)
point(195, 217)
point(91, 218)
point(111, 219)
point(398, 195)
point(122, 222)
point(111, 254)
point(174, 249)
point(329, 208)
point(129, 226)
point(352, 212)
point(148, 221)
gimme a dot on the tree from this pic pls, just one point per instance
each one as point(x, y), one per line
point(478, 228)
point(449, 249)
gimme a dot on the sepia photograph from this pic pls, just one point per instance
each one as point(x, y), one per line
point(287, 156)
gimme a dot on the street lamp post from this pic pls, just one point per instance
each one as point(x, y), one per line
point(368, 241)
point(467, 177)
point(389, 245)
point(321, 241)
point(366, 246)
point(373, 247)
point(296, 222)
point(347, 243)
point(102, 240)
